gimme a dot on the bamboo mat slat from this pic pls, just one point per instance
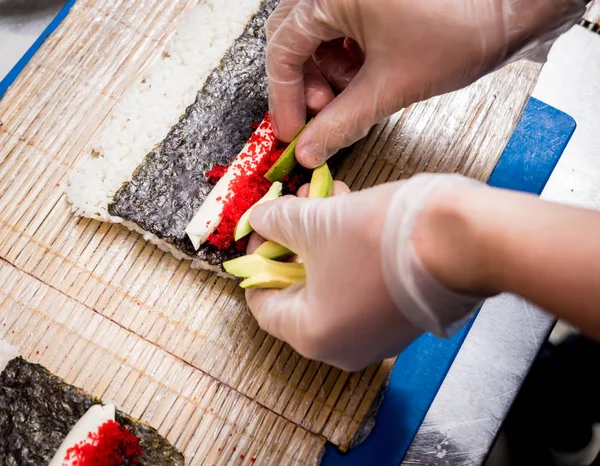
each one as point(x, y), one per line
point(208, 421)
point(49, 118)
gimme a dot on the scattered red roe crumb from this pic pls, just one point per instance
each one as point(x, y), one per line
point(112, 445)
point(4, 325)
point(242, 456)
point(12, 331)
point(37, 352)
point(216, 173)
point(253, 459)
point(57, 185)
point(248, 187)
point(233, 448)
point(46, 347)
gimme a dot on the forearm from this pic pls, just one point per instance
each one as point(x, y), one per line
point(511, 242)
point(550, 254)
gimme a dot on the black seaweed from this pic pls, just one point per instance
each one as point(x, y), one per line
point(38, 410)
point(169, 186)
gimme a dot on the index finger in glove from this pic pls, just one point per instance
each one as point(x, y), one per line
point(297, 38)
point(279, 313)
point(283, 221)
point(278, 16)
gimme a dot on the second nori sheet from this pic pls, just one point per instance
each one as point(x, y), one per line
point(38, 410)
point(169, 186)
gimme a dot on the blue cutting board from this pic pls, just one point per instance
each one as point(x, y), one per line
point(526, 164)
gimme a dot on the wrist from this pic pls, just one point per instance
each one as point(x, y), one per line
point(532, 26)
point(453, 241)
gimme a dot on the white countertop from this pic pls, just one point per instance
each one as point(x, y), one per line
point(18, 32)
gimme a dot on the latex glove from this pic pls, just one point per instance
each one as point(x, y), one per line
point(367, 293)
point(413, 50)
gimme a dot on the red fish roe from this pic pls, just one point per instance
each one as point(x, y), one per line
point(112, 445)
point(292, 182)
point(216, 173)
point(249, 186)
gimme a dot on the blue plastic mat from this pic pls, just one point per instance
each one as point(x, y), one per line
point(526, 165)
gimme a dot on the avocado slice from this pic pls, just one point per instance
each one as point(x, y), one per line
point(321, 183)
point(252, 265)
point(243, 227)
point(272, 250)
point(286, 161)
point(321, 186)
point(268, 281)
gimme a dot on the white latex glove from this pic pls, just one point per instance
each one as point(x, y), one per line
point(413, 50)
point(367, 293)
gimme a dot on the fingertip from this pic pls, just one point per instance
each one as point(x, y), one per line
point(287, 109)
point(317, 91)
point(340, 188)
point(309, 153)
point(254, 242)
point(318, 97)
point(304, 190)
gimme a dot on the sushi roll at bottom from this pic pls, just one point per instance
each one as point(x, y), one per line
point(45, 421)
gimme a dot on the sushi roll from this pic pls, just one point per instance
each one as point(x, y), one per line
point(158, 187)
point(45, 421)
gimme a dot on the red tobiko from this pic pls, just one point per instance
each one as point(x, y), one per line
point(216, 173)
point(112, 445)
point(248, 187)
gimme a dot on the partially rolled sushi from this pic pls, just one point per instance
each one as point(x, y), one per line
point(157, 161)
point(45, 421)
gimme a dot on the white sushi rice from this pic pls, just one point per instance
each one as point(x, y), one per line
point(146, 113)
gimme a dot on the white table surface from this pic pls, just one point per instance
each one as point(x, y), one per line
point(18, 32)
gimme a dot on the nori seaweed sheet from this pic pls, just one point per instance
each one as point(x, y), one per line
point(38, 410)
point(169, 186)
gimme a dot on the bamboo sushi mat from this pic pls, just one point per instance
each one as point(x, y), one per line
point(176, 347)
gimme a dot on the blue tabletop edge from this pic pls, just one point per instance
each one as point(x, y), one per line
point(526, 164)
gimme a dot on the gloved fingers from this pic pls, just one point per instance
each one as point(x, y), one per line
point(340, 61)
point(290, 47)
point(318, 92)
point(281, 314)
point(254, 242)
point(345, 120)
point(278, 16)
point(284, 221)
point(339, 188)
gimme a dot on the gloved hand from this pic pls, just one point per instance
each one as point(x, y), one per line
point(413, 50)
point(369, 292)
